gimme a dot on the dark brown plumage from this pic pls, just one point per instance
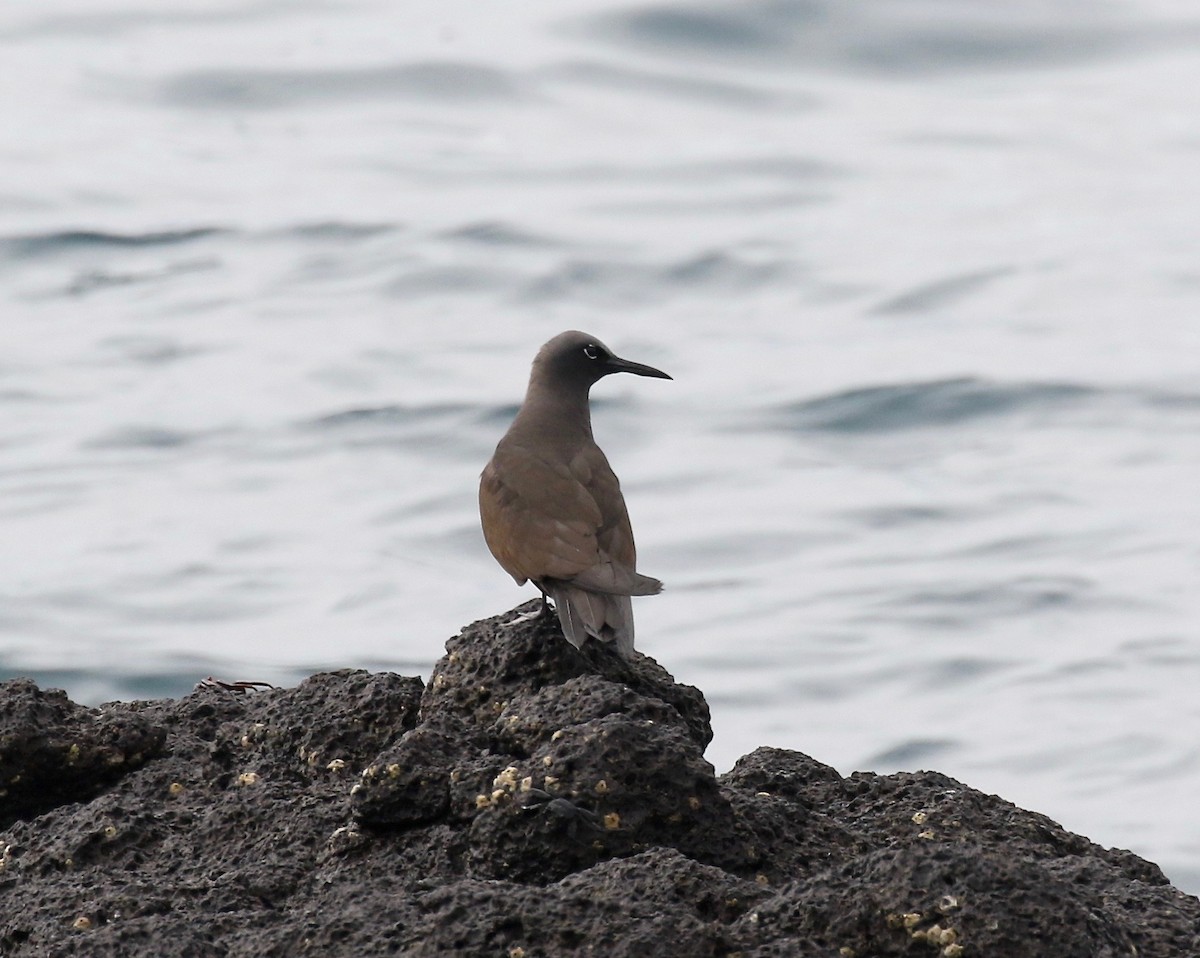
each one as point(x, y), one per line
point(551, 507)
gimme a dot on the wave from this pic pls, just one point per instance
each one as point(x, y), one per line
point(1025, 595)
point(628, 280)
point(264, 89)
point(110, 23)
point(948, 402)
point(911, 753)
point(942, 292)
point(337, 230)
point(683, 86)
point(148, 437)
point(916, 38)
point(392, 414)
point(66, 241)
point(496, 233)
point(919, 405)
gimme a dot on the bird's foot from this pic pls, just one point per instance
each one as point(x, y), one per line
point(543, 611)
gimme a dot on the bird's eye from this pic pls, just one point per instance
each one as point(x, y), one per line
point(591, 351)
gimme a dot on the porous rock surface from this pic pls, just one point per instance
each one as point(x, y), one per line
point(531, 800)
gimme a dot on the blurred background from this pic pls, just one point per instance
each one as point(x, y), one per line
point(923, 491)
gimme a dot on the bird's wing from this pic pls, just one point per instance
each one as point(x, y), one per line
point(562, 519)
point(614, 579)
point(538, 519)
point(613, 571)
point(614, 535)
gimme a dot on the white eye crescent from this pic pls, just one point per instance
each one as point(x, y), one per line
point(591, 351)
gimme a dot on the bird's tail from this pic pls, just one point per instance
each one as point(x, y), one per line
point(582, 613)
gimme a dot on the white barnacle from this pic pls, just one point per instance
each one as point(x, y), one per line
point(506, 779)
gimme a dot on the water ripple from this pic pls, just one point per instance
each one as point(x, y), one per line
point(1023, 595)
point(497, 233)
point(910, 754)
point(680, 86)
point(96, 280)
point(607, 279)
point(265, 89)
point(147, 437)
point(915, 38)
point(446, 426)
point(389, 415)
point(891, 517)
point(106, 23)
point(745, 28)
point(942, 292)
point(144, 350)
point(921, 405)
point(337, 230)
point(68, 241)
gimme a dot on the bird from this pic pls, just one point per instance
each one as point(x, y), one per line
point(550, 505)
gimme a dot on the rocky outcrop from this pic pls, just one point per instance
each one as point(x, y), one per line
point(531, 800)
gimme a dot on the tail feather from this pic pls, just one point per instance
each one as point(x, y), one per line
point(581, 613)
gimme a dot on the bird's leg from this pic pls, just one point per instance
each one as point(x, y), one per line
point(544, 611)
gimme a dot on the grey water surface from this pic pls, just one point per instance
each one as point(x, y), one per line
point(926, 273)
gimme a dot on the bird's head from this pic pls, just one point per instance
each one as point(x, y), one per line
point(578, 359)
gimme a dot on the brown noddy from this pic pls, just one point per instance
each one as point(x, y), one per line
point(551, 506)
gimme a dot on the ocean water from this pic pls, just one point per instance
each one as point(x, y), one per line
point(923, 491)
